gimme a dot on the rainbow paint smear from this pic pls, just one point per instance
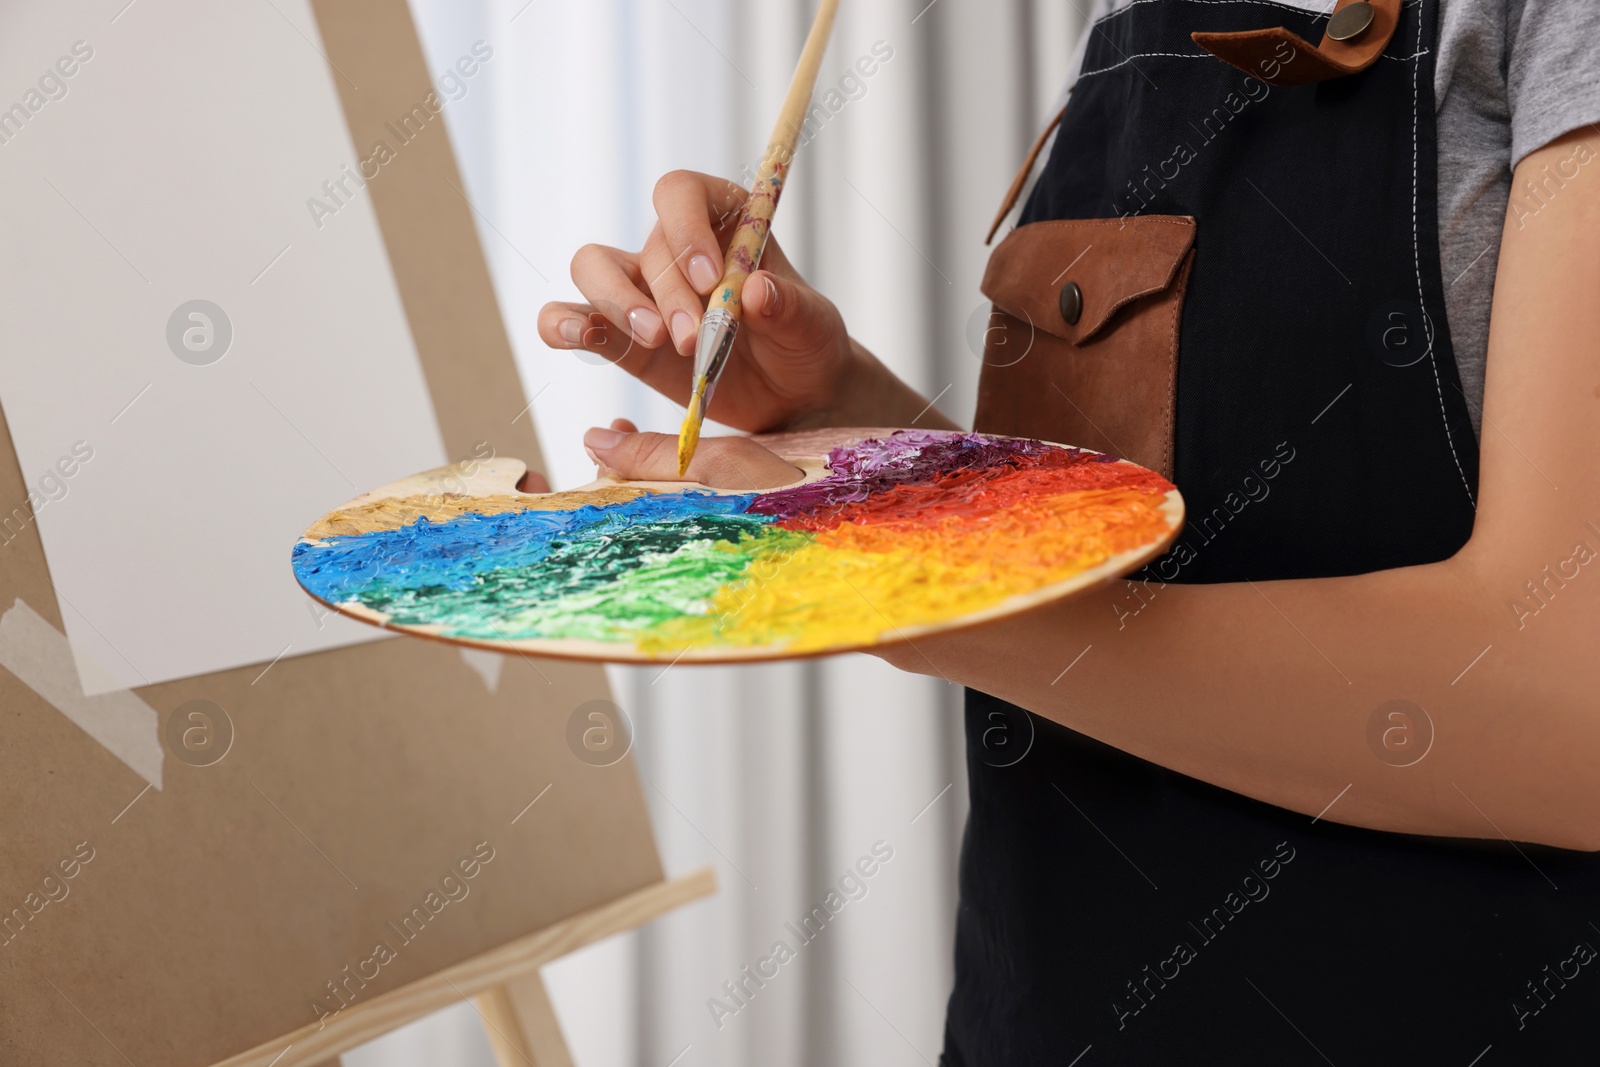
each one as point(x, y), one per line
point(907, 531)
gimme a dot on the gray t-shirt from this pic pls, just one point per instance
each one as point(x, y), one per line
point(1511, 76)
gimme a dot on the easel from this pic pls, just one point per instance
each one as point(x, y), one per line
point(216, 906)
point(516, 1011)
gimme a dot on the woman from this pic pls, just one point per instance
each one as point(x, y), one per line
point(1322, 786)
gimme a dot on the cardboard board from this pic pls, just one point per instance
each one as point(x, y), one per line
point(386, 794)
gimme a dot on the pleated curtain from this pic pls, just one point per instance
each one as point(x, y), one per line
point(781, 777)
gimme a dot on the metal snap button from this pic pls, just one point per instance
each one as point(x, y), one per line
point(1071, 303)
point(1350, 21)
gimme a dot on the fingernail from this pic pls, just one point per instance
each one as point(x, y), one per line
point(601, 438)
point(571, 331)
point(703, 273)
point(645, 324)
point(600, 468)
point(682, 328)
point(769, 306)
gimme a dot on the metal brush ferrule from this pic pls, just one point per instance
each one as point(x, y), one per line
point(718, 329)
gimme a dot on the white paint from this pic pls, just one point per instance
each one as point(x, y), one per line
point(39, 655)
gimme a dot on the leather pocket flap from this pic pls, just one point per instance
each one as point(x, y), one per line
point(1112, 261)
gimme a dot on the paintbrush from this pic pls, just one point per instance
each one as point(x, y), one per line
point(720, 325)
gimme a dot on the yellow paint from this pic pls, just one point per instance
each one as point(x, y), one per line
point(861, 584)
point(689, 435)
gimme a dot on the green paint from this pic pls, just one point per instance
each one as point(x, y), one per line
point(664, 589)
point(602, 588)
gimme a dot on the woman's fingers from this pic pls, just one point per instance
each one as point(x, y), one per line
point(679, 304)
point(609, 278)
point(562, 325)
point(683, 259)
point(533, 482)
point(580, 326)
point(692, 208)
point(792, 315)
point(723, 462)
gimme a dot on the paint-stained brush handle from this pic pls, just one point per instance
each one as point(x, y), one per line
point(725, 308)
point(750, 239)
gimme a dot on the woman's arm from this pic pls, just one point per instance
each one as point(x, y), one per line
point(1271, 689)
point(1268, 689)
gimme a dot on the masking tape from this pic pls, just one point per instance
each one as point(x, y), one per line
point(41, 657)
point(487, 664)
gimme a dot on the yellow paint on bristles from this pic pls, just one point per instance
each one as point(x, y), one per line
point(689, 435)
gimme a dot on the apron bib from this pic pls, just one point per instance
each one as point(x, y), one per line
point(1234, 279)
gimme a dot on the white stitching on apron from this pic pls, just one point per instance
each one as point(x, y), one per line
point(1416, 251)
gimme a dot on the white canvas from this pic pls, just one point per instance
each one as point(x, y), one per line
point(173, 165)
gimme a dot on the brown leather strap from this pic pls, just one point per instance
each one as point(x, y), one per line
point(1260, 53)
point(1022, 176)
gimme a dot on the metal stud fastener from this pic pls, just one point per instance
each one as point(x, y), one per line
point(1350, 21)
point(1071, 303)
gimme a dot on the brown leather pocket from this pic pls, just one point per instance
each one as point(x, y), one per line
point(1107, 381)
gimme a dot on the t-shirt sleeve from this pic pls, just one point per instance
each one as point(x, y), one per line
point(1553, 70)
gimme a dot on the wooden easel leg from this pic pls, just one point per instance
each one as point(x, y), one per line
point(522, 1024)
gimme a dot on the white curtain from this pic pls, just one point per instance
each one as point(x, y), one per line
point(781, 777)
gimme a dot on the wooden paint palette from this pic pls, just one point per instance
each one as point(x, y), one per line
point(889, 535)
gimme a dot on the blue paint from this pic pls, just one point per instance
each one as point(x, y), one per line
point(434, 557)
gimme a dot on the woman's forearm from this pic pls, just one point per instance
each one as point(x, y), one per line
point(1282, 691)
point(873, 395)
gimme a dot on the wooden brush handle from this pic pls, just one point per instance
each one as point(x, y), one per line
point(750, 239)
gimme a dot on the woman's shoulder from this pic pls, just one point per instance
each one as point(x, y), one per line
point(1533, 65)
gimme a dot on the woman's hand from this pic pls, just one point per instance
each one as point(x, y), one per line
point(722, 462)
point(793, 359)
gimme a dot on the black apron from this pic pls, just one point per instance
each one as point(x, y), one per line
point(1127, 914)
